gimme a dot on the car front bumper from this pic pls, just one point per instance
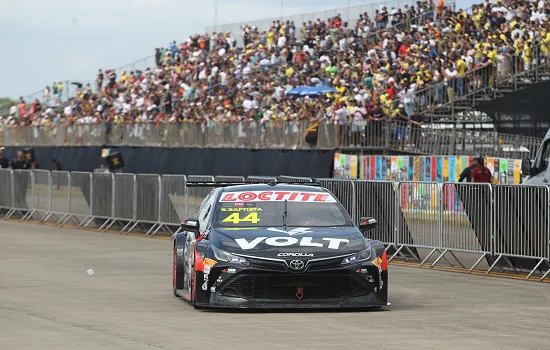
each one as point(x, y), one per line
point(359, 286)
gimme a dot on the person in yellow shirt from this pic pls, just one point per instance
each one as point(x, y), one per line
point(461, 69)
point(545, 43)
point(269, 40)
point(527, 55)
point(341, 91)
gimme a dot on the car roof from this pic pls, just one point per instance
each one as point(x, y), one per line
point(276, 187)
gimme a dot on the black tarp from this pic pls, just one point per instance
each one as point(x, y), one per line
point(192, 161)
point(523, 112)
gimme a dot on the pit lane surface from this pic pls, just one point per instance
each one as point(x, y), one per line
point(48, 301)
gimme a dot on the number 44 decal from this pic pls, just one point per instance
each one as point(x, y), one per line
point(235, 218)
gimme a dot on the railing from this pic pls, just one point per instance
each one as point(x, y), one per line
point(482, 83)
point(52, 100)
point(479, 226)
point(358, 135)
point(349, 14)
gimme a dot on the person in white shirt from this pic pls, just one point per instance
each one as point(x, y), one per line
point(281, 42)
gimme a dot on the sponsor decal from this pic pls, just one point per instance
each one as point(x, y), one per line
point(377, 262)
point(209, 262)
point(330, 243)
point(206, 270)
point(179, 251)
point(241, 209)
point(295, 254)
point(219, 280)
point(294, 231)
point(190, 223)
point(231, 270)
point(277, 196)
point(212, 289)
point(369, 221)
point(235, 218)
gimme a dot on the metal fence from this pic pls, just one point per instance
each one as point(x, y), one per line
point(349, 14)
point(358, 135)
point(484, 82)
point(473, 226)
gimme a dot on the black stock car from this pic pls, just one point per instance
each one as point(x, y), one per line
point(277, 246)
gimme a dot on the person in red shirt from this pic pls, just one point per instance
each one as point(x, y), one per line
point(392, 91)
point(404, 50)
point(480, 173)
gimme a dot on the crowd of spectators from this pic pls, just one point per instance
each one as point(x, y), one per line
point(377, 65)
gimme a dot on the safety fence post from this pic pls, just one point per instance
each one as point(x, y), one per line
point(173, 202)
point(42, 194)
point(60, 193)
point(7, 193)
point(417, 219)
point(467, 222)
point(522, 228)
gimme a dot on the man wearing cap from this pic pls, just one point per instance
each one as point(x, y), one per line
point(4, 162)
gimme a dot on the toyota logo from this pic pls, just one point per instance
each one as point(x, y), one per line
point(297, 264)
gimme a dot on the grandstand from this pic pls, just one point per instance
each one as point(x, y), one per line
point(407, 79)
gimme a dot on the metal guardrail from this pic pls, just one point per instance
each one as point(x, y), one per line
point(502, 226)
point(482, 83)
point(357, 135)
point(350, 14)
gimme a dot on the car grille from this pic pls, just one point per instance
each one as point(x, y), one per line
point(325, 264)
point(267, 264)
point(279, 286)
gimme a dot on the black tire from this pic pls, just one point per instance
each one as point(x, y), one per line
point(177, 274)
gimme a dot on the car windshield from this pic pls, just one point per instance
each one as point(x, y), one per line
point(267, 209)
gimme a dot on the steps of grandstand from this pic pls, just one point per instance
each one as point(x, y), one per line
point(500, 89)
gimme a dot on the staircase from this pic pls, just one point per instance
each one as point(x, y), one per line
point(444, 103)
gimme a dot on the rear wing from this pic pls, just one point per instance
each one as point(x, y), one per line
point(261, 180)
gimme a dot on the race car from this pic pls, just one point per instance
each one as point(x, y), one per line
point(278, 246)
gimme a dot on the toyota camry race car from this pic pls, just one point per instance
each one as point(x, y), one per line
point(277, 246)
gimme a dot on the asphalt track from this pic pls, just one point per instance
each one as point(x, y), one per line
point(48, 301)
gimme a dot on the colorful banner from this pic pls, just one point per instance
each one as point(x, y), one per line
point(346, 166)
point(420, 168)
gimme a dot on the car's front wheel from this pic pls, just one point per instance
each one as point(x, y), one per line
point(177, 274)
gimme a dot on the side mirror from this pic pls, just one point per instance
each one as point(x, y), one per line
point(367, 224)
point(526, 167)
point(191, 225)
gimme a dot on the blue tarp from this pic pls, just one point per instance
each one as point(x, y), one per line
point(311, 91)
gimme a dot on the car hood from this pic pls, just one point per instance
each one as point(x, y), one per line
point(269, 242)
